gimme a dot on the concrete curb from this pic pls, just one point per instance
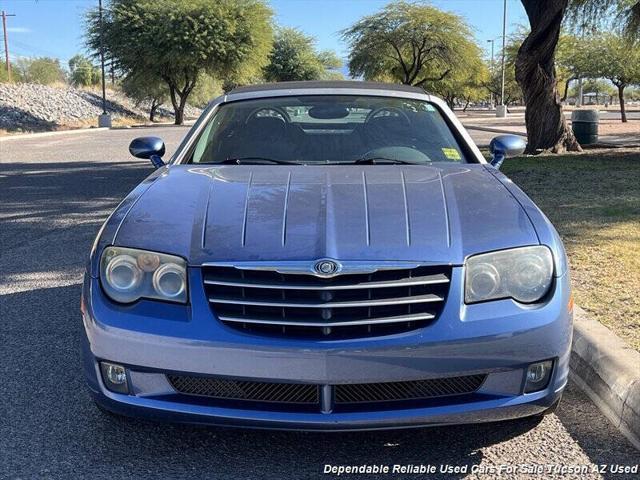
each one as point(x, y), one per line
point(608, 370)
point(495, 130)
point(5, 138)
point(52, 134)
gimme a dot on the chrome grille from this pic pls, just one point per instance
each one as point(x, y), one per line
point(347, 305)
point(413, 390)
point(223, 389)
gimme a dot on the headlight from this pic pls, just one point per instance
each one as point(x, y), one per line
point(128, 274)
point(524, 274)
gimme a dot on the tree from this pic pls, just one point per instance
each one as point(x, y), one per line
point(146, 88)
point(601, 88)
point(512, 91)
point(179, 40)
point(618, 60)
point(573, 60)
point(407, 43)
point(42, 70)
point(593, 14)
point(207, 88)
point(547, 128)
point(82, 72)
point(294, 57)
point(4, 77)
point(466, 83)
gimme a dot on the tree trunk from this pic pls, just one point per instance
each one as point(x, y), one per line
point(174, 102)
point(566, 90)
point(179, 97)
point(178, 101)
point(547, 128)
point(154, 109)
point(623, 112)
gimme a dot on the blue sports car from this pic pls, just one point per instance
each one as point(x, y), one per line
point(327, 256)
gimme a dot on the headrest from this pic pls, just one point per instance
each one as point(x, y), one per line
point(266, 127)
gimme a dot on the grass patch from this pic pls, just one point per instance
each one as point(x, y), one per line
point(593, 199)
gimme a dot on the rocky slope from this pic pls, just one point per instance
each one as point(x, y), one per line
point(28, 107)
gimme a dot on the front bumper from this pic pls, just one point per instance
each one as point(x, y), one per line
point(499, 339)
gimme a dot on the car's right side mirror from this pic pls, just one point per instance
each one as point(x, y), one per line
point(505, 146)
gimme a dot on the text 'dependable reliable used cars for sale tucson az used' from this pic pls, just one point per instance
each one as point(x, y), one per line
point(327, 256)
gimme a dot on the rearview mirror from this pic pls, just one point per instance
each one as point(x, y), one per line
point(505, 146)
point(148, 147)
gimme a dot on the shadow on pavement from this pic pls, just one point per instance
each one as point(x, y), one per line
point(40, 198)
point(593, 431)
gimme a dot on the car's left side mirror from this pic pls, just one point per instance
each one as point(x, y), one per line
point(148, 147)
point(505, 146)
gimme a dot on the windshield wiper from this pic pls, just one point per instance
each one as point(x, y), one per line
point(256, 161)
point(384, 160)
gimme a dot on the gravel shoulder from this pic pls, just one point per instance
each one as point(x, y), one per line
point(28, 107)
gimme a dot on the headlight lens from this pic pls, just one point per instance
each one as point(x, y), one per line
point(128, 274)
point(524, 274)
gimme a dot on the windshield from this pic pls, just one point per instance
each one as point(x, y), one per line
point(327, 129)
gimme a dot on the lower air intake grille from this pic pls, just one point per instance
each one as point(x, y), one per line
point(290, 393)
point(415, 390)
point(309, 394)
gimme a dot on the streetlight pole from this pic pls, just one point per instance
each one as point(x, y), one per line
point(104, 120)
point(492, 42)
point(502, 109)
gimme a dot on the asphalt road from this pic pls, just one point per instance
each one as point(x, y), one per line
point(55, 191)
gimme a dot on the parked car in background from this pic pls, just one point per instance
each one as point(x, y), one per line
point(327, 256)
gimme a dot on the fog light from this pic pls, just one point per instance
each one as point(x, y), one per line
point(538, 375)
point(114, 377)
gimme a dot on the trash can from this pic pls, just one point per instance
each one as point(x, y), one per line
point(584, 124)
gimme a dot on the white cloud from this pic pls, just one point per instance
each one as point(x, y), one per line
point(18, 30)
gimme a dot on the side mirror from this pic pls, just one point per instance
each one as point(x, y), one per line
point(148, 147)
point(505, 146)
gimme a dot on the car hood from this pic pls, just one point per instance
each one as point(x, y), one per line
point(439, 213)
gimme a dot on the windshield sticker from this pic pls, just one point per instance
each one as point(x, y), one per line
point(451, 153)
point(430, 108)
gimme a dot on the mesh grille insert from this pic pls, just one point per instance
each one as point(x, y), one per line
point(414, 390)
point(291, 393)
point(309, 394)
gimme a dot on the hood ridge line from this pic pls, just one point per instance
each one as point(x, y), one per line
point(246, 207)
point(284, 211)
point(406, 207)
point(366, 208)
point(205, 220)
point(446, 208)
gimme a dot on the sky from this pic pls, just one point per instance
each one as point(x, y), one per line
point(54, 28)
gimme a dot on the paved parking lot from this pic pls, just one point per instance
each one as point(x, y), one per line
point(55, 191)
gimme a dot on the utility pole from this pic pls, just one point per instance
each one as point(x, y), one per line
point(104, 120)
point(6, 42)
point(492, 42)
point(502, 110)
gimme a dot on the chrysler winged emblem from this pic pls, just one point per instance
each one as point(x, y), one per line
point(326, 268)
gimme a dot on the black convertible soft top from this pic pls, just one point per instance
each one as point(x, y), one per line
point(326, 84)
